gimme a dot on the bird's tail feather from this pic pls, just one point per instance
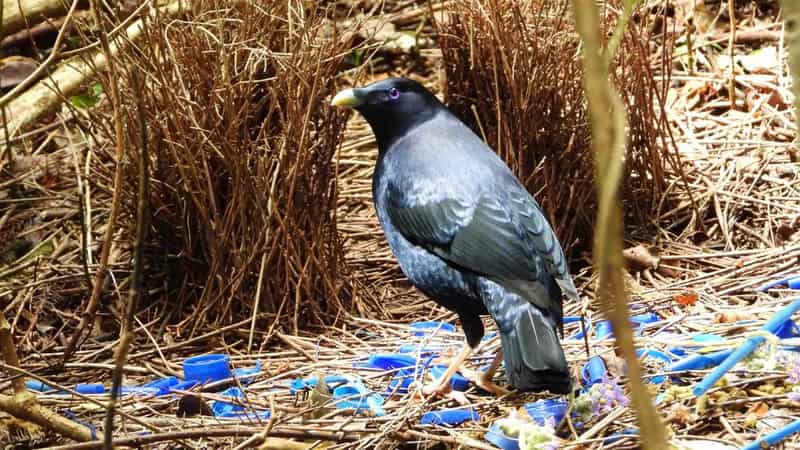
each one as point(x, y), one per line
point(534, 359)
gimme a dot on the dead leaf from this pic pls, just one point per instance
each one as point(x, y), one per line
point(760, 409)
point(731, 317)
point(687, 298)
point(14, 70)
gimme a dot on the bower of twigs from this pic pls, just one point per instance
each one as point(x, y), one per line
point(242, 141)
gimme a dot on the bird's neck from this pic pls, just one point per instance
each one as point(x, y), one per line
point(389, 130)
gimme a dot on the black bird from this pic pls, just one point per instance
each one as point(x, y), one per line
point(466, 232)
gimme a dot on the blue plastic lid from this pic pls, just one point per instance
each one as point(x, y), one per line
point(496, 436)
point(90, 388)
point(455, 416)
point(432, 326)
point(542, 410)
point(206, 368)
point(594, 371)
point(356, 396)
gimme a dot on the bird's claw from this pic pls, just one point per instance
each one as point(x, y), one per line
point(485, 382)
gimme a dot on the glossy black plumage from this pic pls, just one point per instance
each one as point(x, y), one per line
point(465, 231)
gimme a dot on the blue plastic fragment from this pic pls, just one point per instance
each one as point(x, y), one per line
point(746, 348)
point(356, 396)
point(705, 338)
point(638, 322)
point(790, 281)
point(71, 416)
point(788, 329)
point(90, 388)
point(184, 385)
point(246, 375)
point(402, 380)
point(229, 410)
point(496, 436)
point(390, 361)
point(38, 386)
point(164, 385)
point(549, 410)
point(602, 329)
point(207, 368)
point(594, 371)
point(431, 327)
point(457, 382)
point(423, 351)
point(614, 437)
point(775, 437)
point(655, 354)
point(450, 417)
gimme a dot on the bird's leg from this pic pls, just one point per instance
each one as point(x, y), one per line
point(484, 380)
point(442, 385)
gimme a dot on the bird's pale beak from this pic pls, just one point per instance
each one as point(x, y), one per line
point(347, 98)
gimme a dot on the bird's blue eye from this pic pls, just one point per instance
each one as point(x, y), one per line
point(394, 93)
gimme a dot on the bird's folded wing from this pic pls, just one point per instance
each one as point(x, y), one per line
point(503, 240)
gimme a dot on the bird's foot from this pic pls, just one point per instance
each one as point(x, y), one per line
point(437, 389)
point(485, 382)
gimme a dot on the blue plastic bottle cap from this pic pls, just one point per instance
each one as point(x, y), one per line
point(90, 388)
point(450, 417)
point(428, 327)
point(205, 368)
point(496, 436)
point(542, 410)
point(594, 371)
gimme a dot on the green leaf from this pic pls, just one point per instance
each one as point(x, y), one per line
point(88, 98)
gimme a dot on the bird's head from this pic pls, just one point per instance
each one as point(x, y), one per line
point(392, 106)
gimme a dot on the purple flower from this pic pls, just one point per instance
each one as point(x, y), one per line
point(793, 369)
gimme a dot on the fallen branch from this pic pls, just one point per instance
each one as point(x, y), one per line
point(23, 404)
point(69, 76)
point(21, 14)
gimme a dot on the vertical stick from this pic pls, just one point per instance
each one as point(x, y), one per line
point(731, 42)
point(608, 141)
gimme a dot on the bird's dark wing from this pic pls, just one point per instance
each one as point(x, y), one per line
point(500, 234)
